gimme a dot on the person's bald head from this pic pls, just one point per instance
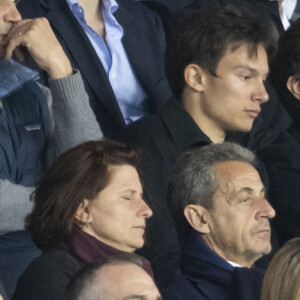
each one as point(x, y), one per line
point(120, 278)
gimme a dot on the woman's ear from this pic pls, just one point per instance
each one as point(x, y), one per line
point(197, 216)
point(194, 76)
point(82, 215)
point(293, 85)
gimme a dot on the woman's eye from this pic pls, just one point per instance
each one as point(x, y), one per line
point(126, 197)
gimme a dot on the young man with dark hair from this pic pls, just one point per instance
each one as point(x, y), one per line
point(217, 71)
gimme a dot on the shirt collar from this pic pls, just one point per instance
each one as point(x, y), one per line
point(234, 264)
point(288, 7)
point(71, 2)
point(110, 5)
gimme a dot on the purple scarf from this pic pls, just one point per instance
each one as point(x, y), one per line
point(89, 249)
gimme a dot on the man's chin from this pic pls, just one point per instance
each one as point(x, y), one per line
point(264, 249)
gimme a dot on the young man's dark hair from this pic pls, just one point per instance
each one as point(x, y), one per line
point(204, 38)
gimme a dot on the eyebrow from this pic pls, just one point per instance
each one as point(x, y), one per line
point(247, 68)
point(126, 190)
point(249, 190)
point(139, 297)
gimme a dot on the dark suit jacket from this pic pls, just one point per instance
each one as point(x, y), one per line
point(144, 43)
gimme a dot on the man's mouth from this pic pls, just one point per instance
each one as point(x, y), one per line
point(253, 113)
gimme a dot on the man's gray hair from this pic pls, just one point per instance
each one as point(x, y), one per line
point(86, 283)
point(192, 179)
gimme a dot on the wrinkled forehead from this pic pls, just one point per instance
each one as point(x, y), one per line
point(235, 175)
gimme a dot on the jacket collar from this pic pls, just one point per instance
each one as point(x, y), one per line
point(14, 76)
point(214, 276)
point(195, 249)
point(184, 131)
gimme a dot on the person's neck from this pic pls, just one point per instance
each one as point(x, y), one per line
point(207, 126)
point(89, 6)
point(93, 15)
point(242, 261)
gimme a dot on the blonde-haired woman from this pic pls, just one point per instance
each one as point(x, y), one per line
point(282, 278)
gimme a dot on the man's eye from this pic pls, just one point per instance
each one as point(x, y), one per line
point(127, 198)
point(246, 200)
point(245, 77)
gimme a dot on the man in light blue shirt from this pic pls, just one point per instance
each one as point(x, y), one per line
point(110, 50)
point(119, 48)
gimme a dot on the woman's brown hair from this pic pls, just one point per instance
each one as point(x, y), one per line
point(81, 172)
point(282, 278)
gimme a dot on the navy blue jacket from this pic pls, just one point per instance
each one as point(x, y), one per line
point(23, 129)
point(144, 43)
point(205, 275)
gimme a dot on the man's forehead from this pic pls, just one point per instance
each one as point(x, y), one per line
point(250, 48)
point(236, 174)
point(245, 54)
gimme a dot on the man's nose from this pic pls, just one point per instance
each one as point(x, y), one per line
point(261, 94)
point(11, 13)
point(266, 210)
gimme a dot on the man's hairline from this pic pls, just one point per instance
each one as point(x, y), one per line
point(227, 50)
point(217, 184)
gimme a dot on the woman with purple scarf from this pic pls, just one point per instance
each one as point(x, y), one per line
point(88, 205)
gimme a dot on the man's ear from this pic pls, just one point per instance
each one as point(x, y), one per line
point(293, 85)
point(83, 212)
point(197, 217)
point(194, 76)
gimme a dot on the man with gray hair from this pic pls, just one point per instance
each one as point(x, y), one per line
point(217, 200)
point(116, 278)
